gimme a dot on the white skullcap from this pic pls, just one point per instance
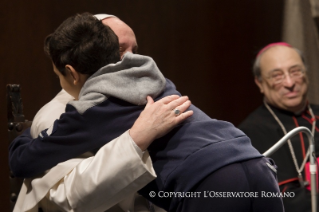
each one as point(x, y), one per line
point(103, 16)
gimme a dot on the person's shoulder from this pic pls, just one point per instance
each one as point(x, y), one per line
point(255, 116)
point(46, 116)
point(258, 123)
point(62, 97)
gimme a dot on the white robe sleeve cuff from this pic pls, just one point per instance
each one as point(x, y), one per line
point(118, 170)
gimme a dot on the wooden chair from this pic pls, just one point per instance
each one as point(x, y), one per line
point(16, 125)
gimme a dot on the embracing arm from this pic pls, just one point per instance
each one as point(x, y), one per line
point(116, 172)
point(29, 157)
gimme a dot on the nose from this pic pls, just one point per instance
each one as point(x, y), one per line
point(288, 81)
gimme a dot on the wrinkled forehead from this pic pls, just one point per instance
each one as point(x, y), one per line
point(279, 57)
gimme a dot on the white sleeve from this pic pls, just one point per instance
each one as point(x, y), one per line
point(117, 171)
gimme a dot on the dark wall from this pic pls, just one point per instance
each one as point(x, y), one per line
point(205, 47)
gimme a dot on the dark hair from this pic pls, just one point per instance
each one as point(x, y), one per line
point(83, 42)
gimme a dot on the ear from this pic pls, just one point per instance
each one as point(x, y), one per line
point(75, 76)
point(258, 83)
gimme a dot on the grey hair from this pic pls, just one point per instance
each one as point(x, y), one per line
point(256, 65)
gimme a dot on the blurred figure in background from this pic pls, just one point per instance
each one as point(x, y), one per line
point(280, 74)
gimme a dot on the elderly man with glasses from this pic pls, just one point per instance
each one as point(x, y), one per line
point(280, 74)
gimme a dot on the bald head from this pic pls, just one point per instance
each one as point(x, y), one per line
point(125, 34)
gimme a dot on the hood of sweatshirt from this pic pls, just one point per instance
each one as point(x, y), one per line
point(132, 79)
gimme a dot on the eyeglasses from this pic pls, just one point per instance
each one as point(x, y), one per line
point(278, 76)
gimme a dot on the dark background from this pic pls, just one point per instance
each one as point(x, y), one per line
point(205, 47)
